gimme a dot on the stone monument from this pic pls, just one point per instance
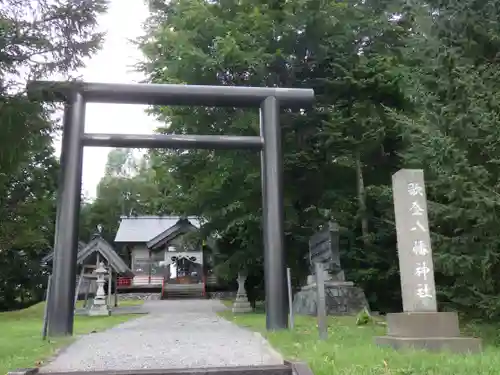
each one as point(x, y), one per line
point(241, 304)
point(99, 305)
point(341, 297)
point(420, 325)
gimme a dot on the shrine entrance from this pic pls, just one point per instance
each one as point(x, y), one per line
point(76, 95)
point(187, 271)
point(186, 275)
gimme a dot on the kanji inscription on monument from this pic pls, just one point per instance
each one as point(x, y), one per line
point(414, 243)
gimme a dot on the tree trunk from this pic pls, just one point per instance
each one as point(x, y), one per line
point(361, 198)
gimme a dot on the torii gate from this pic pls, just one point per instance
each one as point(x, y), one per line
point(77, 94)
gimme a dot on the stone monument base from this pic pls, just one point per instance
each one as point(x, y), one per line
point(99, 310)
point(434, 331)
point(241, 305)
point(341, 297)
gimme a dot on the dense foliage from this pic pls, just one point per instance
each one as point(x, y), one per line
point(398, 85)
point(339, 156)
point(453, 81)
point(37, 39)
point(128, 188)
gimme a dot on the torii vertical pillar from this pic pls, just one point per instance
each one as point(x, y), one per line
point(66, 233)
point(273, 216)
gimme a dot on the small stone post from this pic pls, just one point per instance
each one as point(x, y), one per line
point(99, 306)
point(321, 301)
point(420, 325)
point(241, 304)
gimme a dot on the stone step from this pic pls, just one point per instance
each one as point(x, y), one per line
point(179, 293)
point(288, 368)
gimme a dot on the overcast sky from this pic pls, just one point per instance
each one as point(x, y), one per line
point(114, 64)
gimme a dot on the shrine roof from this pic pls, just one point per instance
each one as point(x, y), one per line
point(50, 256)
point(100, 245)
point(143, 229)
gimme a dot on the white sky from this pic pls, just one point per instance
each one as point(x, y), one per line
point(114, 63)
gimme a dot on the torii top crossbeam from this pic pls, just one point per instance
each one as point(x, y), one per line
point(166, 94)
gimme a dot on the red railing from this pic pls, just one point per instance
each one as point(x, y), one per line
point(124, 281)
point(140, 280)
point(162, 289)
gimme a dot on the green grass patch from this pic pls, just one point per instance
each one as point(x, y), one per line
point(349, 349)
point(227, 302)
point(21, 343)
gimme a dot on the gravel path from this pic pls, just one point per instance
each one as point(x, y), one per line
point(176, 334)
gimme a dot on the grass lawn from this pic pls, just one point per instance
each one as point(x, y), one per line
point(349, 349)
point(21, 344)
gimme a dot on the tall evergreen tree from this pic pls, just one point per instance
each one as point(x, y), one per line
point(452, 79)
point(37, 39)
point(347, 52)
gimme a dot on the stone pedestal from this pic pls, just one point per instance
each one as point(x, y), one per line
point(99, 305)
point(241, 304)
point(339, 278)
point(434, 331)
point(341, 297)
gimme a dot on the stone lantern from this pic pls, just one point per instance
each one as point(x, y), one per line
point(99, 306)
point(241, 304)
